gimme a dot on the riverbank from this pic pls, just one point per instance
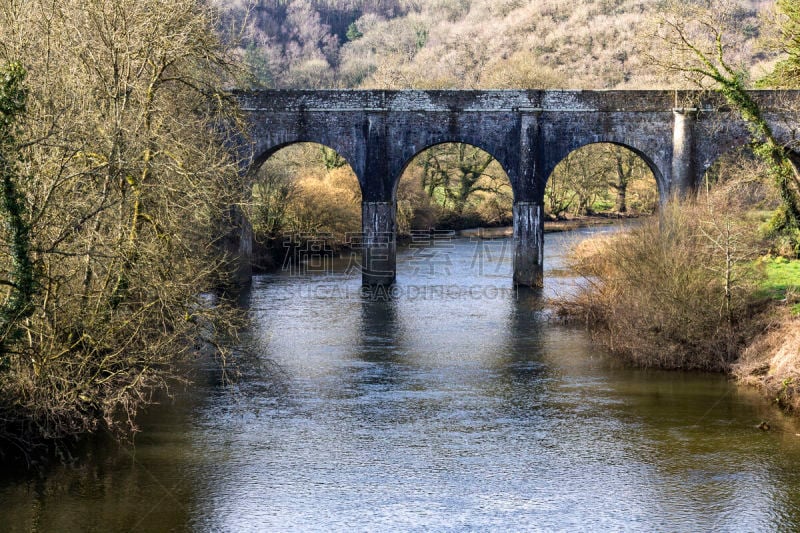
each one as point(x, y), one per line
point(695, 307)
point(587, 221)
point(550, 226)
point(272, 255)
point(771, 362)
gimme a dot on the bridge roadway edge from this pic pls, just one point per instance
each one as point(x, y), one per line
point(678, 133)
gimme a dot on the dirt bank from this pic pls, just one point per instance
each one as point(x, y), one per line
point(772, 361)
point(550, 226)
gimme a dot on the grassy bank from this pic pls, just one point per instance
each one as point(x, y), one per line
point(771, 362)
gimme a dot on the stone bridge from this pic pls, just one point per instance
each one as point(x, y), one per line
point(679, 134)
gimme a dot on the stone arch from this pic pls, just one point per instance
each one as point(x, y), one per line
point(661, 177)
point(487, 201)
point(307, 187)
point(528, 132)
point(407, 161)
point(504, 155)
point(265, 151)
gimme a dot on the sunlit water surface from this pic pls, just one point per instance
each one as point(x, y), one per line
point(451, 402)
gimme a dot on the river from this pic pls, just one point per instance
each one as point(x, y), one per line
point(450, 403)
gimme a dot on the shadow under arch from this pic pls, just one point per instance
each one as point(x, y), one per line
point(264, 155)
point(590, 165)
point(452, 185)
point(399, 173)
point(303, 197)
point(738, 175)
point(721, 165)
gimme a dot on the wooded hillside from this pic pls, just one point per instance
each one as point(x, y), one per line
point(400, 44)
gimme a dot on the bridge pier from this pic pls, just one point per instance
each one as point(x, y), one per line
point(683, 172)
point(379, 234)
point(527, 131)
point(529, 244)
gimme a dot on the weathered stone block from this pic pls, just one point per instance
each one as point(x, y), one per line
point(379, 241)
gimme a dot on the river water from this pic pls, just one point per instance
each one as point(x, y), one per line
point(450, 403)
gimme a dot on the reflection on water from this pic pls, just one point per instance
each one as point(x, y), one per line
point(451, 402)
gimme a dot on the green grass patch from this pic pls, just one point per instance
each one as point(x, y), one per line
point(781, 276)
point(603, 205)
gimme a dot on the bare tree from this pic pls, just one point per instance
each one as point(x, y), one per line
point(626, 167)
point(697, 37)
point(127, 191)
point(453, 172)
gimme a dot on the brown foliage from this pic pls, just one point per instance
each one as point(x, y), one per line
point(304, 191)
point(467, 43)
point(127, 188)
point(599, 175)
point(673, 292)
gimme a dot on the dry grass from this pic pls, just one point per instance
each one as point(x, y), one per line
point(675, 292)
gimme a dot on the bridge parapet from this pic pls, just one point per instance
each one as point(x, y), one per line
point(631, 101)
point(678, 133)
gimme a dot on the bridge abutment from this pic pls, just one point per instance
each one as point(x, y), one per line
point(379, 234)
point(528, 244)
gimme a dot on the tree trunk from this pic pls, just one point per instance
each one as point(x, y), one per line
point(622, 193)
